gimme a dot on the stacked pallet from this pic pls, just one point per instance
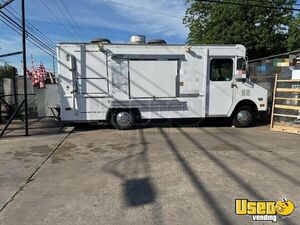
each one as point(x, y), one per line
point(286, 106)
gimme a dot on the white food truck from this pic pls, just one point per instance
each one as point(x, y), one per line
point(123, 83)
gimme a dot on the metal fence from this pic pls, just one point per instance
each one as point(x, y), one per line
point(11, 94)
point(285, 98)
point(263, 72)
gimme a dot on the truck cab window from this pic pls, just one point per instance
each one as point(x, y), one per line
point(221, 69)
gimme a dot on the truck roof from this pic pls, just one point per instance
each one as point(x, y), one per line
point(130, 44)
point(112, 45)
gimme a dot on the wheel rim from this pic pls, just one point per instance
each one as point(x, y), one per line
point(123, 118)
point(244, 117)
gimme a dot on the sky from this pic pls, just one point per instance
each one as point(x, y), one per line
point(112, 19)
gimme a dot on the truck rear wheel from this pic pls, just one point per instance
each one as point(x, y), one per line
point(122, 120)
point(243, 116)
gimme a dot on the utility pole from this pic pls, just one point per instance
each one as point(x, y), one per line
point(24, 102)
point(24, 67)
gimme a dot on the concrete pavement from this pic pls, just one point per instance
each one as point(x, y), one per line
point(149, 176)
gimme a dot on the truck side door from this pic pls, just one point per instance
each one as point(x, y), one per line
point(220, 86)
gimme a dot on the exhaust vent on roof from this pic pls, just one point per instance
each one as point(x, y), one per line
point(137, 39)
point(157, 42)
point(101, 40)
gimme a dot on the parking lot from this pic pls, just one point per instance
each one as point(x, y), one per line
point(156, 175)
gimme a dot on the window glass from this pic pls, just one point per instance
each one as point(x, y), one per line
point(241, 64)
point(221, 69)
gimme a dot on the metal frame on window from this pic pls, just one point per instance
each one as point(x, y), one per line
point(216, 58)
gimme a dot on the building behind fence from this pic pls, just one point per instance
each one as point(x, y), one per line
point(262, 71)
point(287, 67)
point(40, 101)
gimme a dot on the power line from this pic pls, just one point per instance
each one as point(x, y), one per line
point(58, 5)
point(30, 25)
point(67, 19)
point(6, 3)
point(144, 10)
point(72, 18)
point(40, 41)
point(57, 19)
point(249, 5)
point(9, 25)
point(18, 31)
point(46, 40)
point(27, 33)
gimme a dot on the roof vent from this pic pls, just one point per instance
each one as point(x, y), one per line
point(137, 39)
point(100, 40)
point(157, 42)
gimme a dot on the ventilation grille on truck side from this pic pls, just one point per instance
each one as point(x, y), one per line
point(245, 93)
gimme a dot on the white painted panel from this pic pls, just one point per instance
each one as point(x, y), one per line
point(220, 98)
point(95, 65)
point(92, 86)
point(83, 109)
point(153, 79)
point(192, 76)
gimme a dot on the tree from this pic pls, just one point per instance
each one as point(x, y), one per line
point(293, 41)
point(7, 71)
point(264, 31)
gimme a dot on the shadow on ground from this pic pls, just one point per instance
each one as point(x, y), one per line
point(168, 123)
point(37, 127)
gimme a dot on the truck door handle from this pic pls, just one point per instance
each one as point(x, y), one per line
point(234, 85)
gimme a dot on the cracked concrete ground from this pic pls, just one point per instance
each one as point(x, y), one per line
point(148, 176)
point(20, 156)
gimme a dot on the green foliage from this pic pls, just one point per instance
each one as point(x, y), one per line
point(294, 34)
point(7, 71)
point(263, 31)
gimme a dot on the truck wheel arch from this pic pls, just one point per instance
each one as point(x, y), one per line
point(245, 102)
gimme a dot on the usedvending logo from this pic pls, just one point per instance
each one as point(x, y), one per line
point(264, 210)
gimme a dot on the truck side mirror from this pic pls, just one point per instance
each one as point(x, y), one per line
point(241, 64)
point(241, 70)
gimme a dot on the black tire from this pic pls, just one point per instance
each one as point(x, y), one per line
point(243, 116)
point(122, 119)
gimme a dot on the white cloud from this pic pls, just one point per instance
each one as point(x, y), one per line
point(157, 18)
point(154, 17)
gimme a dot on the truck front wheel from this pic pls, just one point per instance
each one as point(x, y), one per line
point(243, 116)
point(122, 120)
